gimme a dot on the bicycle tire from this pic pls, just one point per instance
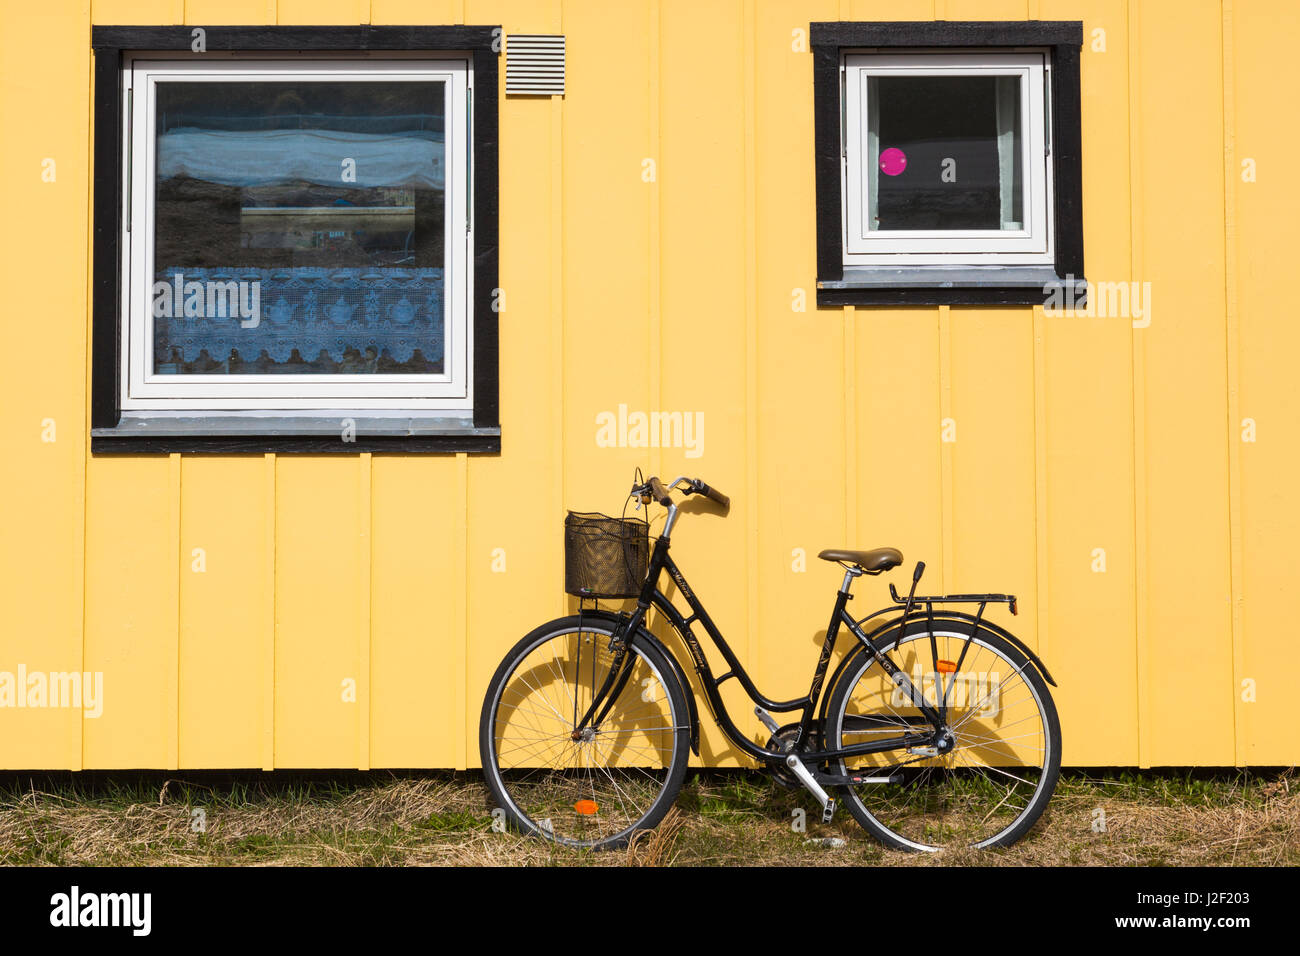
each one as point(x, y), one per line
point(892, 813)
point(593, 793)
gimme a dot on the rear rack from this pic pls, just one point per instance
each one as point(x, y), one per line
point(910, 602)
point(1008, 599)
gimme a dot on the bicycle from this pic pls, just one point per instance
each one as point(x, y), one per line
point(587, 722)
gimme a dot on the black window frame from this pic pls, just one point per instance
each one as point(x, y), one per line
point(482, 44)
point(839, 285)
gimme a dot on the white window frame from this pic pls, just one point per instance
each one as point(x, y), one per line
point(959, 247)
point(450, 391)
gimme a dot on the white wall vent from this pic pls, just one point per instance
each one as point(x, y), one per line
point(535, 64)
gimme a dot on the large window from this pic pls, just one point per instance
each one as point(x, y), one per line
point(298, 252)
point(947, 170)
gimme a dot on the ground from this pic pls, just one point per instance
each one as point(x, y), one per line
point(731, 818)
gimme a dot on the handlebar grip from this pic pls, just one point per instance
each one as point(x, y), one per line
point(713, 494)
point(659, 492)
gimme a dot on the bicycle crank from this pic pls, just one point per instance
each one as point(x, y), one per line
point(806, 778)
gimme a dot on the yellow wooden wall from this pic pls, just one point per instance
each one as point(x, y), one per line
point(1072, 434)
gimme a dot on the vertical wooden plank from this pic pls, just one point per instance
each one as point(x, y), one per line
point(1084, 443)
point(364, 583)
point(130, 610)
point(460, 632)
point(266, 632)
point(1188, 574)
point(1232, 371)
point(170, 593)
point(414, 630)
point(948, 435)
point(317, 690)
point(222, 639)
point(1263, 426)
point(44, 270)
point(1141, 517)
point(130, 633)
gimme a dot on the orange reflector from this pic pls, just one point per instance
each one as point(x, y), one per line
point(586, 807)
point(945, 667)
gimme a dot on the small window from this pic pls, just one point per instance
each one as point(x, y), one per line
point(947, 161)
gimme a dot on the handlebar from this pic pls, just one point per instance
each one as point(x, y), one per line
point(658, 492)
point(654, 489)
point(713, 494)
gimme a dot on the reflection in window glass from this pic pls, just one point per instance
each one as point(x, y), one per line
point(299, 228)
point(944, 152)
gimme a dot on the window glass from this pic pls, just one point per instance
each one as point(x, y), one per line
point(944, 152)
point(299, 228)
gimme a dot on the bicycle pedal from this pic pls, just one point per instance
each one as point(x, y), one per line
point(828, 811)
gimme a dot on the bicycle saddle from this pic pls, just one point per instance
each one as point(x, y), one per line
point(873, 562)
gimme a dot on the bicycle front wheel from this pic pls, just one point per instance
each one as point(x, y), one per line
point(594, 784)
point(994, 783)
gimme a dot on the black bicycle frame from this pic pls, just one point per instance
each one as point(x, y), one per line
point(651, 596)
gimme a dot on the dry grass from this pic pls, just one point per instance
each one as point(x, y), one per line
point(722, 818)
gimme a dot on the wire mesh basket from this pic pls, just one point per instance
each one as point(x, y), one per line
point(605, 557)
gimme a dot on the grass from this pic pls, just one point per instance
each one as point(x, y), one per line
point(729, 818)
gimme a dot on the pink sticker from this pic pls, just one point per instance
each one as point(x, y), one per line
point(893, 161)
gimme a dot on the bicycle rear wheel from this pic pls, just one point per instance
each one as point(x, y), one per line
point(996, 781)
point(598, 786)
